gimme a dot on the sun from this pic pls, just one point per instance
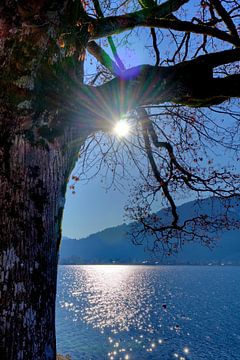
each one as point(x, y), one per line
point(122, 128)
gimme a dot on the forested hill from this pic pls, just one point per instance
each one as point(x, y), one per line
point(113, 245)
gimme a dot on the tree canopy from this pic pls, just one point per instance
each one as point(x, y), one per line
point(181, 108)
point(181, 111)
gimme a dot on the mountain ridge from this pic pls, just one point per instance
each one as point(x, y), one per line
point(112, 245)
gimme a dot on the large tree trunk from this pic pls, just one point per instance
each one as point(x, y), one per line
point(33, 181)
point(38, 148)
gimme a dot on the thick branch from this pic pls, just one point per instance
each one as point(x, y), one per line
point(226, 18)
point(155, 46)
point(115, 25)
point(162, 184)
point(101, 55)
point(189, 83)
point(228, 86)
point(187, 26)
point(110, 40)
point(218, 58)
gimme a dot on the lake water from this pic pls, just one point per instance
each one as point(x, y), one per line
point(148, 312)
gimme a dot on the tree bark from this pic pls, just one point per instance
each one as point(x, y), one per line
point(33, 181)
point(37, 154)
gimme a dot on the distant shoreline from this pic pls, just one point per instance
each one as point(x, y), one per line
point(139, 264)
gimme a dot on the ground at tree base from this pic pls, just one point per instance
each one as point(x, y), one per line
point(61, 357)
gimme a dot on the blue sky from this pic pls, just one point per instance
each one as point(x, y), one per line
point(92, 209)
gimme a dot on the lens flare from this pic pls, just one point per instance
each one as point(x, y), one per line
point(121, 128)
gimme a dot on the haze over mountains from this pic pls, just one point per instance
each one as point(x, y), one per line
point(113, 245)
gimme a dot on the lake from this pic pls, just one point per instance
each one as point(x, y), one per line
point(148, 312)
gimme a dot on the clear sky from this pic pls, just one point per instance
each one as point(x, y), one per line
point(92, 209)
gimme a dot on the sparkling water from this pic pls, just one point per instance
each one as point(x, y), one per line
point(120, 312)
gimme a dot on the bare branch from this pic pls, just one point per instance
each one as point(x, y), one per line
point(226, 18)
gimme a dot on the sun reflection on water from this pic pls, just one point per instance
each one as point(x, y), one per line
point(114, 296)
point(120, 301)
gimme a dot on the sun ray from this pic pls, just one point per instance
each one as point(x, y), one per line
point(122, 128)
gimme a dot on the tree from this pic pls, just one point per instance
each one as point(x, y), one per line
point(48, 112)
